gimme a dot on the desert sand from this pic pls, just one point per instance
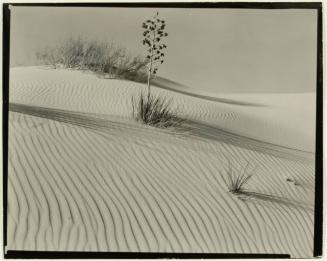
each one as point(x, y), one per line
point(84, 176)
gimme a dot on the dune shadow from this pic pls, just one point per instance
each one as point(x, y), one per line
point(109, 124)
point(206, 131)
point(187, 128)
point(178, 88)
point(86, 120)
point(251, 196)
point(166, 84)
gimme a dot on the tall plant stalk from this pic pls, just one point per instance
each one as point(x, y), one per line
point(153, 35)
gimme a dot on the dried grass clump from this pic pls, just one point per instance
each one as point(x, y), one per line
point(155, 111)
point(237, 181)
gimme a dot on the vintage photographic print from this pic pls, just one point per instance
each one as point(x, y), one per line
point(172, 129)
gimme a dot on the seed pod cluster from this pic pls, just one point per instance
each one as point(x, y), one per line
point(154, 33)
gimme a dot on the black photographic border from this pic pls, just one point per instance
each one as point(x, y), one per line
point(318, 211)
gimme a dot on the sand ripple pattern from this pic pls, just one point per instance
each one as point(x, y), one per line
point(73, 188)
point(84, 177)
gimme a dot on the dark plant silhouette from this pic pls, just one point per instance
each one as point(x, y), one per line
point(149, 109)
point(237, 181)
point(154, 32)
point(155, 111)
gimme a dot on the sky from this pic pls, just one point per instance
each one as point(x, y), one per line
point(212, 50)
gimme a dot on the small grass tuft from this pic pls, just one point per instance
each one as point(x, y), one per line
point(155, 111)
point(237, 181)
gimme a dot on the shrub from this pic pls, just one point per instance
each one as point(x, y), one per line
point(237, 181)
point(72, 53)
point(100, 57)
point(155, 111)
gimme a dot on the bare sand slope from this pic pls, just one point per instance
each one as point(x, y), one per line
point(84, 176)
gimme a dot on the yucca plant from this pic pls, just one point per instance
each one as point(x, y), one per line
point(237, 181)
point(155, 111)
point(149, 109)
point(154, 33)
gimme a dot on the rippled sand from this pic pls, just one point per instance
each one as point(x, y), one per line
point(84, 176)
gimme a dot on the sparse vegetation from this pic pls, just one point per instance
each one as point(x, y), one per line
point(237, 181)
point(151, 110)
point(100, 57)
point(154, 32)
point(155, 111)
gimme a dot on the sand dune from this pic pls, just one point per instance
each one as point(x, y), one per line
point(84, 176)
point(276, 120)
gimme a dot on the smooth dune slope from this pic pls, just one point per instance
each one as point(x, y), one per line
point(83, 176)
